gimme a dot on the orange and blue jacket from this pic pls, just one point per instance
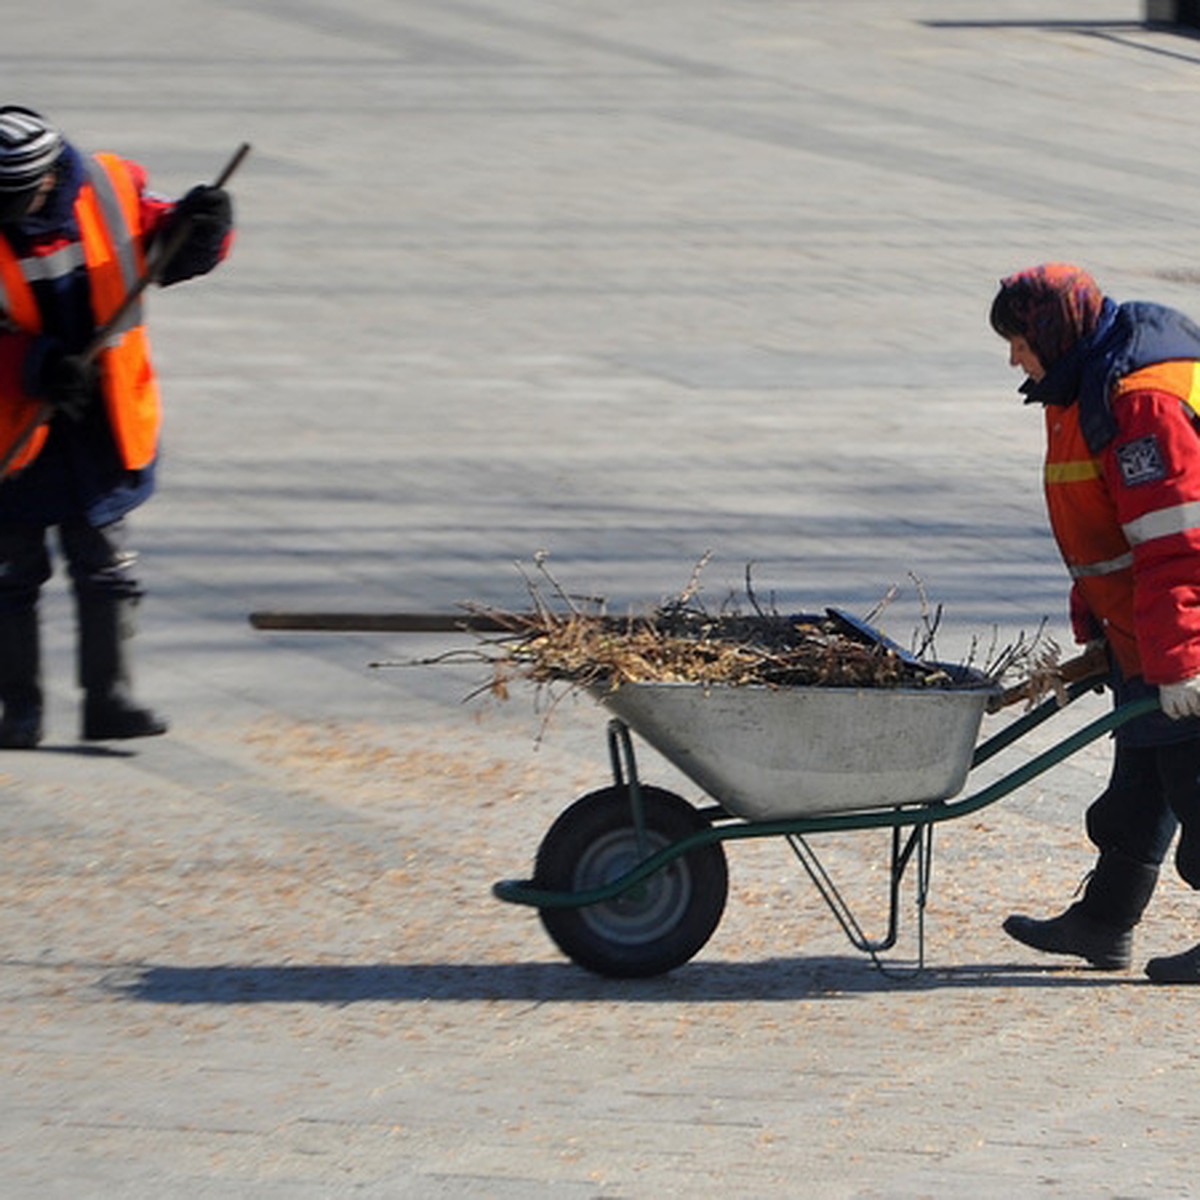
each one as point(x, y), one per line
point(1122, 482)
point(113, 220)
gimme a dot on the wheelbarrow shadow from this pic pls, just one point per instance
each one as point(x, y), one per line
point(778, 979)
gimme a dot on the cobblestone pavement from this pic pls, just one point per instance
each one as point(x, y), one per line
point(629, 284)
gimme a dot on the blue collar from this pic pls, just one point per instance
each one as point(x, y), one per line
point(1127, 338)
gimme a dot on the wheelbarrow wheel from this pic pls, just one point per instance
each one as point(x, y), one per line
point(657, 924)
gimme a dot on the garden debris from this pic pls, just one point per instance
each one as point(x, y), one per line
point(677, 645)
point(564, 639)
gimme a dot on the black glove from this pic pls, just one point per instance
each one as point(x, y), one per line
point(69, 382)
point(206, 205)
point(208, 213)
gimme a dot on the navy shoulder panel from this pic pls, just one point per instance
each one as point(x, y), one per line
point(1141, 334)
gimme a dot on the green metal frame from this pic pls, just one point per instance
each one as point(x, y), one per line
point(917, 818)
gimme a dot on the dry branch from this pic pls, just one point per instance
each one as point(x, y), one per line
point(566, 639)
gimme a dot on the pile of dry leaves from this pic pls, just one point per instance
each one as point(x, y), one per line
point(564, 640)
point(681, 646)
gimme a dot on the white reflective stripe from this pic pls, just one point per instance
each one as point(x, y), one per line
point(46, 267)
point(1163, 523)
point(1111, 567)
point(122, 237)
point(114, 219)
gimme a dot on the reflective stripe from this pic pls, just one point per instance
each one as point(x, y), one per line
point(1193, 396)
point(43, 268)
point(1073, 472)
point(1111, 567)
point(1163, 523)
point(122, 240)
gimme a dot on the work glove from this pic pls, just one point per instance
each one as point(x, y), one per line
point(1180, 699)
point(208, 213)
point(206, 205)
point(69, 382)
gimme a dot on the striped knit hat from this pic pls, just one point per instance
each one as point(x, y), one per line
point(29, 147)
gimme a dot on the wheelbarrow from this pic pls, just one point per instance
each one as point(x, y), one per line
point(631, 880)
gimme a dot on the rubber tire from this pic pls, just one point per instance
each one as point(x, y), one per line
point(653, 928)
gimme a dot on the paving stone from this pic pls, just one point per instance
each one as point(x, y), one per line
point(628, 284)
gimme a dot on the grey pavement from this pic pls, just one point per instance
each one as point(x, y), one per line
point(627, 283)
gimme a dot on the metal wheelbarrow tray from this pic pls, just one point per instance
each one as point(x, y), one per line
point(631, 880)
point(765, 753)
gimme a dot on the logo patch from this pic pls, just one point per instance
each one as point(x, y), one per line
point(1141, 461)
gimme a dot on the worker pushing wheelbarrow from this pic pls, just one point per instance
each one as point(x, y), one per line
point(1119, 385)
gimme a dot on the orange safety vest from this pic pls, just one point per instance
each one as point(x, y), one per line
point(109, 216)
point(1096, 549)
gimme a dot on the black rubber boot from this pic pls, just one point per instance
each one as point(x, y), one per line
point(20, 681)
point(1176, 968)
point(106, 627)
point(1098, 927)
point(1106, 947)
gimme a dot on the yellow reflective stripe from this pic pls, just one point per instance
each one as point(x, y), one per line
point(1111, 567)
point(1193, 396)
point(1073, 472)
point(1163, 523)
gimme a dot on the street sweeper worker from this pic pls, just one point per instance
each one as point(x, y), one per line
point(79, 423)
point(1119, 385)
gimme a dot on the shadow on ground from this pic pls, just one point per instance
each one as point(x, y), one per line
point(827, 978)
point(1112, 31)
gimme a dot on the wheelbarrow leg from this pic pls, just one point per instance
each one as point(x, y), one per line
point(918, 842)
point(625, 775)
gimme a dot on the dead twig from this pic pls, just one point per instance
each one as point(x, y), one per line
point(560, 642)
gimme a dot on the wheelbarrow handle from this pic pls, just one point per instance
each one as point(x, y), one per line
point(1093, 663)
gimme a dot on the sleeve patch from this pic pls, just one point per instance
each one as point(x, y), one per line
point(1141, 461)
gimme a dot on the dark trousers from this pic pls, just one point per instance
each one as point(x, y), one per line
point(98, 560)
point(1153, 790)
